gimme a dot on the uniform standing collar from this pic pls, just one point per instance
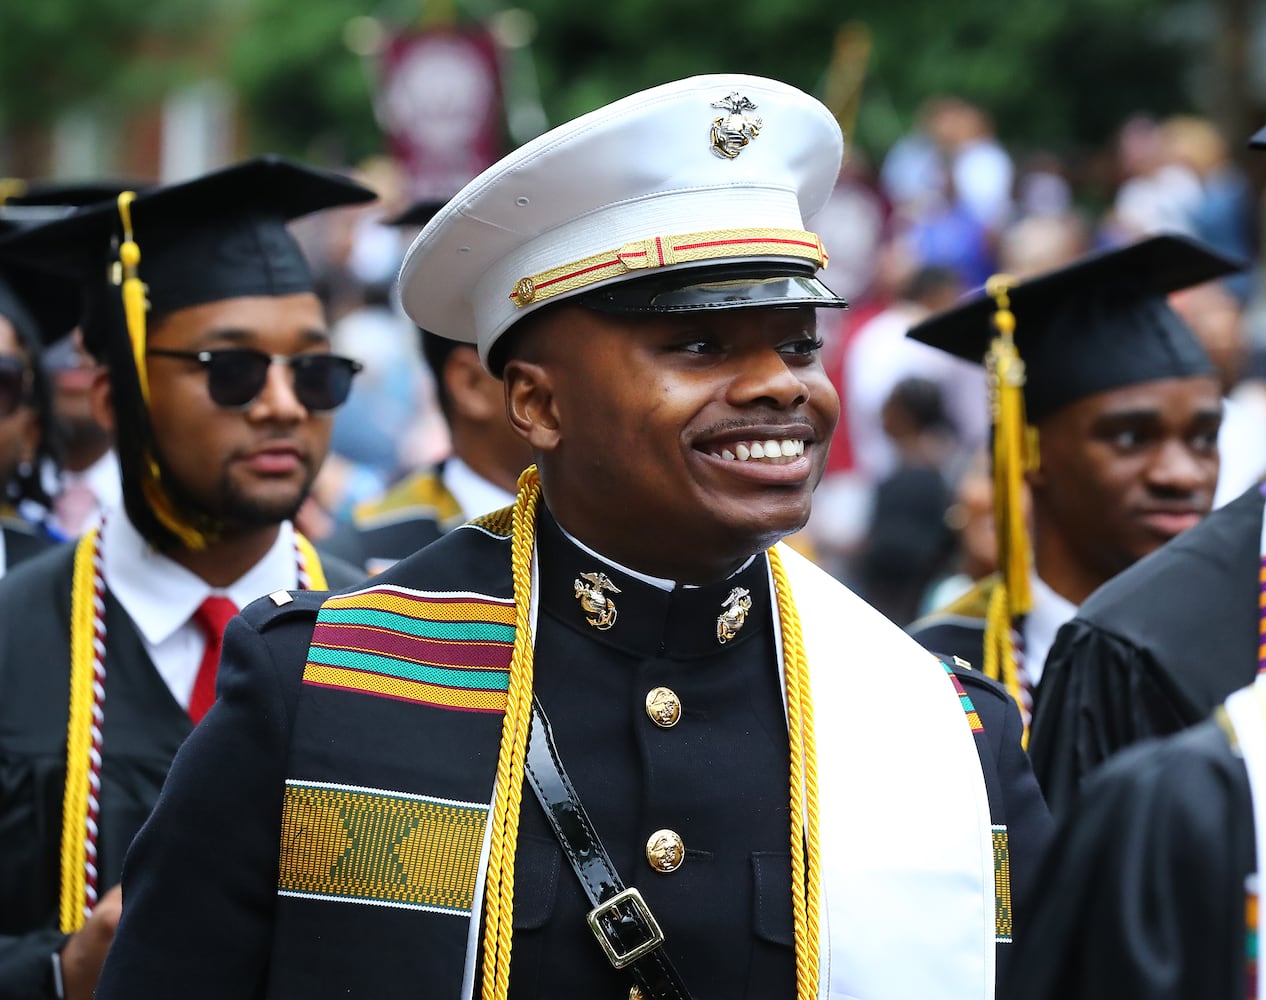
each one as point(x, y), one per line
point(653, 617)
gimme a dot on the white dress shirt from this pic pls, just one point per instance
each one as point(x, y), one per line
point(473, 493)
point(1048, 613)
point(160, 596)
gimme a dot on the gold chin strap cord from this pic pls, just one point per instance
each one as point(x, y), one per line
point(135, 306)
point(806, 880)
point(1014, 452)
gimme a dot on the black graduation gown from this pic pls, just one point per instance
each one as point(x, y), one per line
point(144, 726)
point(1143, 892)
point(1152, 651)
point(719, 778)
point(22, 541)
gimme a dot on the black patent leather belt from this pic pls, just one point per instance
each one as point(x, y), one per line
point(620, 919)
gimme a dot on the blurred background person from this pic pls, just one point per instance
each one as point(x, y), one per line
point(908, 543)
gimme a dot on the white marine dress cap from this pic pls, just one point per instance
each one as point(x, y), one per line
point(714, 176)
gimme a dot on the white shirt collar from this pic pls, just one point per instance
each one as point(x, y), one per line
point(654, 581)
point(160, 595)
point(473, 493)
point(102, 477)
point(1049, 612)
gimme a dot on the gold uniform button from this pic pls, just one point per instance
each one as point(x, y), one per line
point(665, 851)
point(663, 707)
point(635, 993)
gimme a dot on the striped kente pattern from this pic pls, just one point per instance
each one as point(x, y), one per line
point(1002, 884)
point(973, 717)
point(378, 847)
point(447, 651)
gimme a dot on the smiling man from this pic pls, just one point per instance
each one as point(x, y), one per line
point(1125, 407)
point(219, 384)
point(365, 805)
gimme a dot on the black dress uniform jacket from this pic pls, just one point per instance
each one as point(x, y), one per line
point(201, 882)
point(1144, 890)
point(144, 726)
point(1152, 651)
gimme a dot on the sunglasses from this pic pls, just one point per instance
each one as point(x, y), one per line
point(236, 376)
point(15, 388)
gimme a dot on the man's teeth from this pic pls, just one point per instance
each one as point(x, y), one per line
point(767, 450)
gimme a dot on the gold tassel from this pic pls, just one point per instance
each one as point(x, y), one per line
point(135, 306)
point(1013, 452)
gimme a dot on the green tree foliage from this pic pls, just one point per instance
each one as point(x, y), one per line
point(1053, 74)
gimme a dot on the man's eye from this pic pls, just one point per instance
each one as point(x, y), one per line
point(1126, 439)
point(699, 347)
point(804, 347)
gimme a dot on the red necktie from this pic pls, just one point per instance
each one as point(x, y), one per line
point(212, 616)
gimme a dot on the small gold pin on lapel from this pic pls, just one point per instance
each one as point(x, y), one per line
point(734, 614)
point(589, 589)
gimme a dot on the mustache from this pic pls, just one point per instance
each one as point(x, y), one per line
point(756, 421)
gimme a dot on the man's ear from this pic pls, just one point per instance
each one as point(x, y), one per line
point(102, 400)
point(474, 393)
point(531, 404)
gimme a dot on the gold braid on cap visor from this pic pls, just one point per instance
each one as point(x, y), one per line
point(665, 251)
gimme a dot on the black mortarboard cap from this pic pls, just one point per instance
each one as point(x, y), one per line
point(41, 306)
point(219, 236)
point(1100, 323)
point(68, 193)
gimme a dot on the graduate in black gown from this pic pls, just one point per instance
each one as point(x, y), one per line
point(1154, 650)
point(477, 477)
point(108, 647)
point(35, 309)
point(1123, 410)
point(1147, 892)
point(321, 835)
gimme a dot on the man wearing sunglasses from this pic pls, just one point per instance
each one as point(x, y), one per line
point(218, 384)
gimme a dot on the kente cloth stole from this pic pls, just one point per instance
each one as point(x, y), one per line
point(392, 767)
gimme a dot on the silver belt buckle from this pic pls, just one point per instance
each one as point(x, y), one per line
point(634, 900)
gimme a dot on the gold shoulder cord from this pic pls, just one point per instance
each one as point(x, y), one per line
point(1014, 451)
point(499, 880)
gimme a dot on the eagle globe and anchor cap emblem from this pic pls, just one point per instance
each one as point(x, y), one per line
point(734, 130)
point(589, 589)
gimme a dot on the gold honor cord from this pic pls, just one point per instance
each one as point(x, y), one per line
point(499, 880)
point(87, 695)
point(84, 701)
point(1014, 451)
point(311, 573)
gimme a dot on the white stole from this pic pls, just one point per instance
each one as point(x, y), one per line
point(906, 834)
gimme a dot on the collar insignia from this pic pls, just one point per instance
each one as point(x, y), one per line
point(589, 589)
point(735, 129)
point(734, 614)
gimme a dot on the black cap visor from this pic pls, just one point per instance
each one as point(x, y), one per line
point(742, 286)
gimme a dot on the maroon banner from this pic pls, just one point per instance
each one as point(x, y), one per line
point(441, 107)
